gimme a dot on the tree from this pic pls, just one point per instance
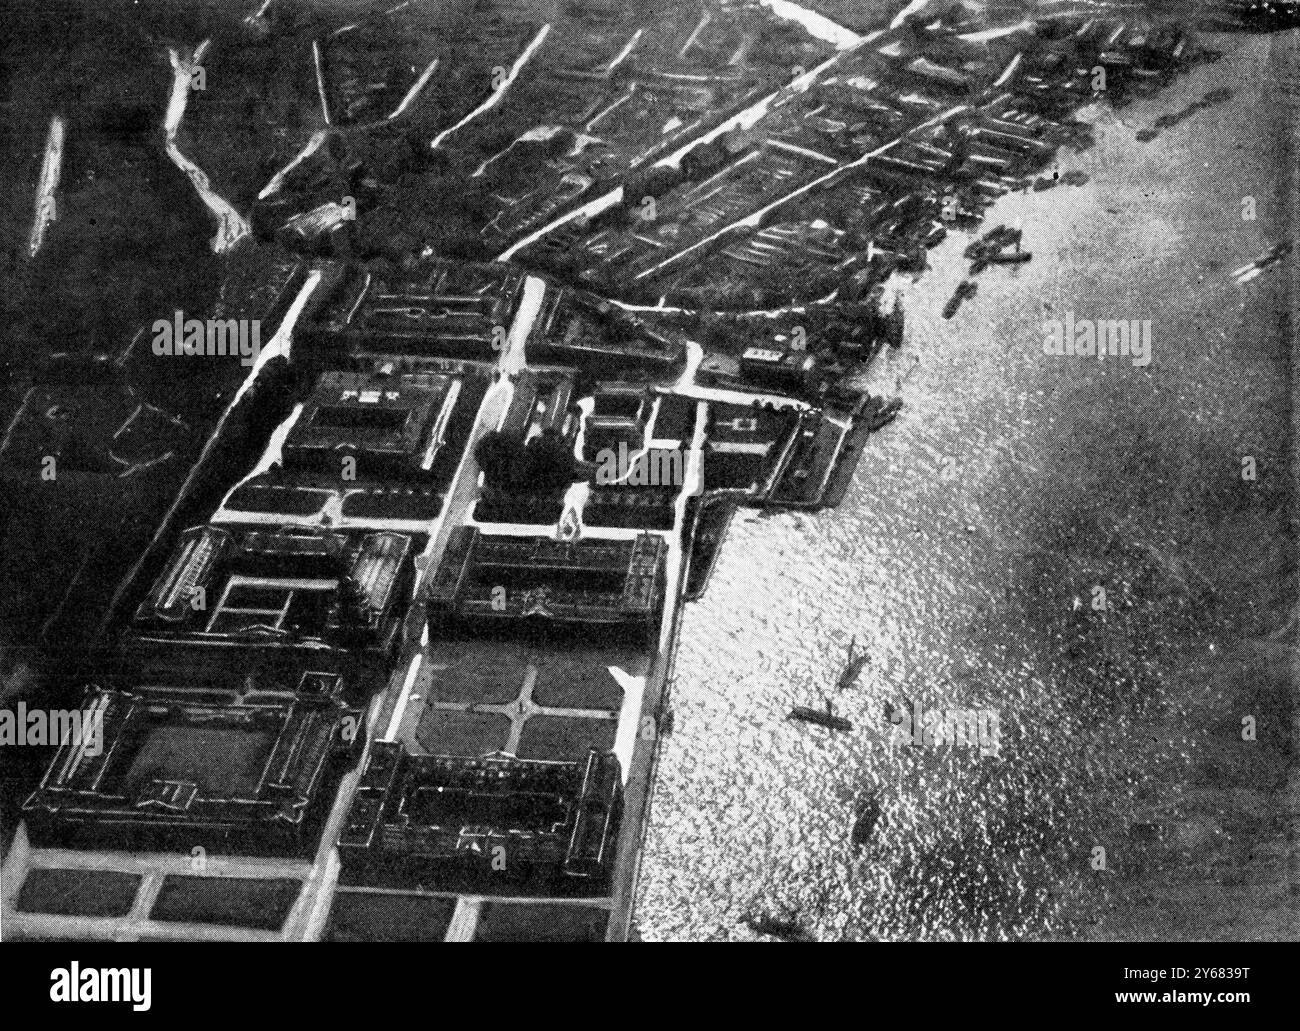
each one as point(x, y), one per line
point(549, 464)
point(545, 465)
point(499, 456)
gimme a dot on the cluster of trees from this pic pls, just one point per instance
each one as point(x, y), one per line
point(545, 465)
point(704, 160)
point(826, 328)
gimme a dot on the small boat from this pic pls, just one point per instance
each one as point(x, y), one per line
point(853, 669)
point(884, 414)
point(997, 239)
point(965, 289)
point(710, 531)
point(1270, 257)
point(786, 930)
point(1273, 254)
point(848, 677)
point(1010, 257)
point(868, 815)
point(826, 719)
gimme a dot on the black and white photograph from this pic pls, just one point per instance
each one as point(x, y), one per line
point(681, 471)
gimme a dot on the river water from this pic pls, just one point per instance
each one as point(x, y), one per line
point(965, 557)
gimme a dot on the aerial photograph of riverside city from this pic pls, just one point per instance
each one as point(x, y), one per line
point(699, 470)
